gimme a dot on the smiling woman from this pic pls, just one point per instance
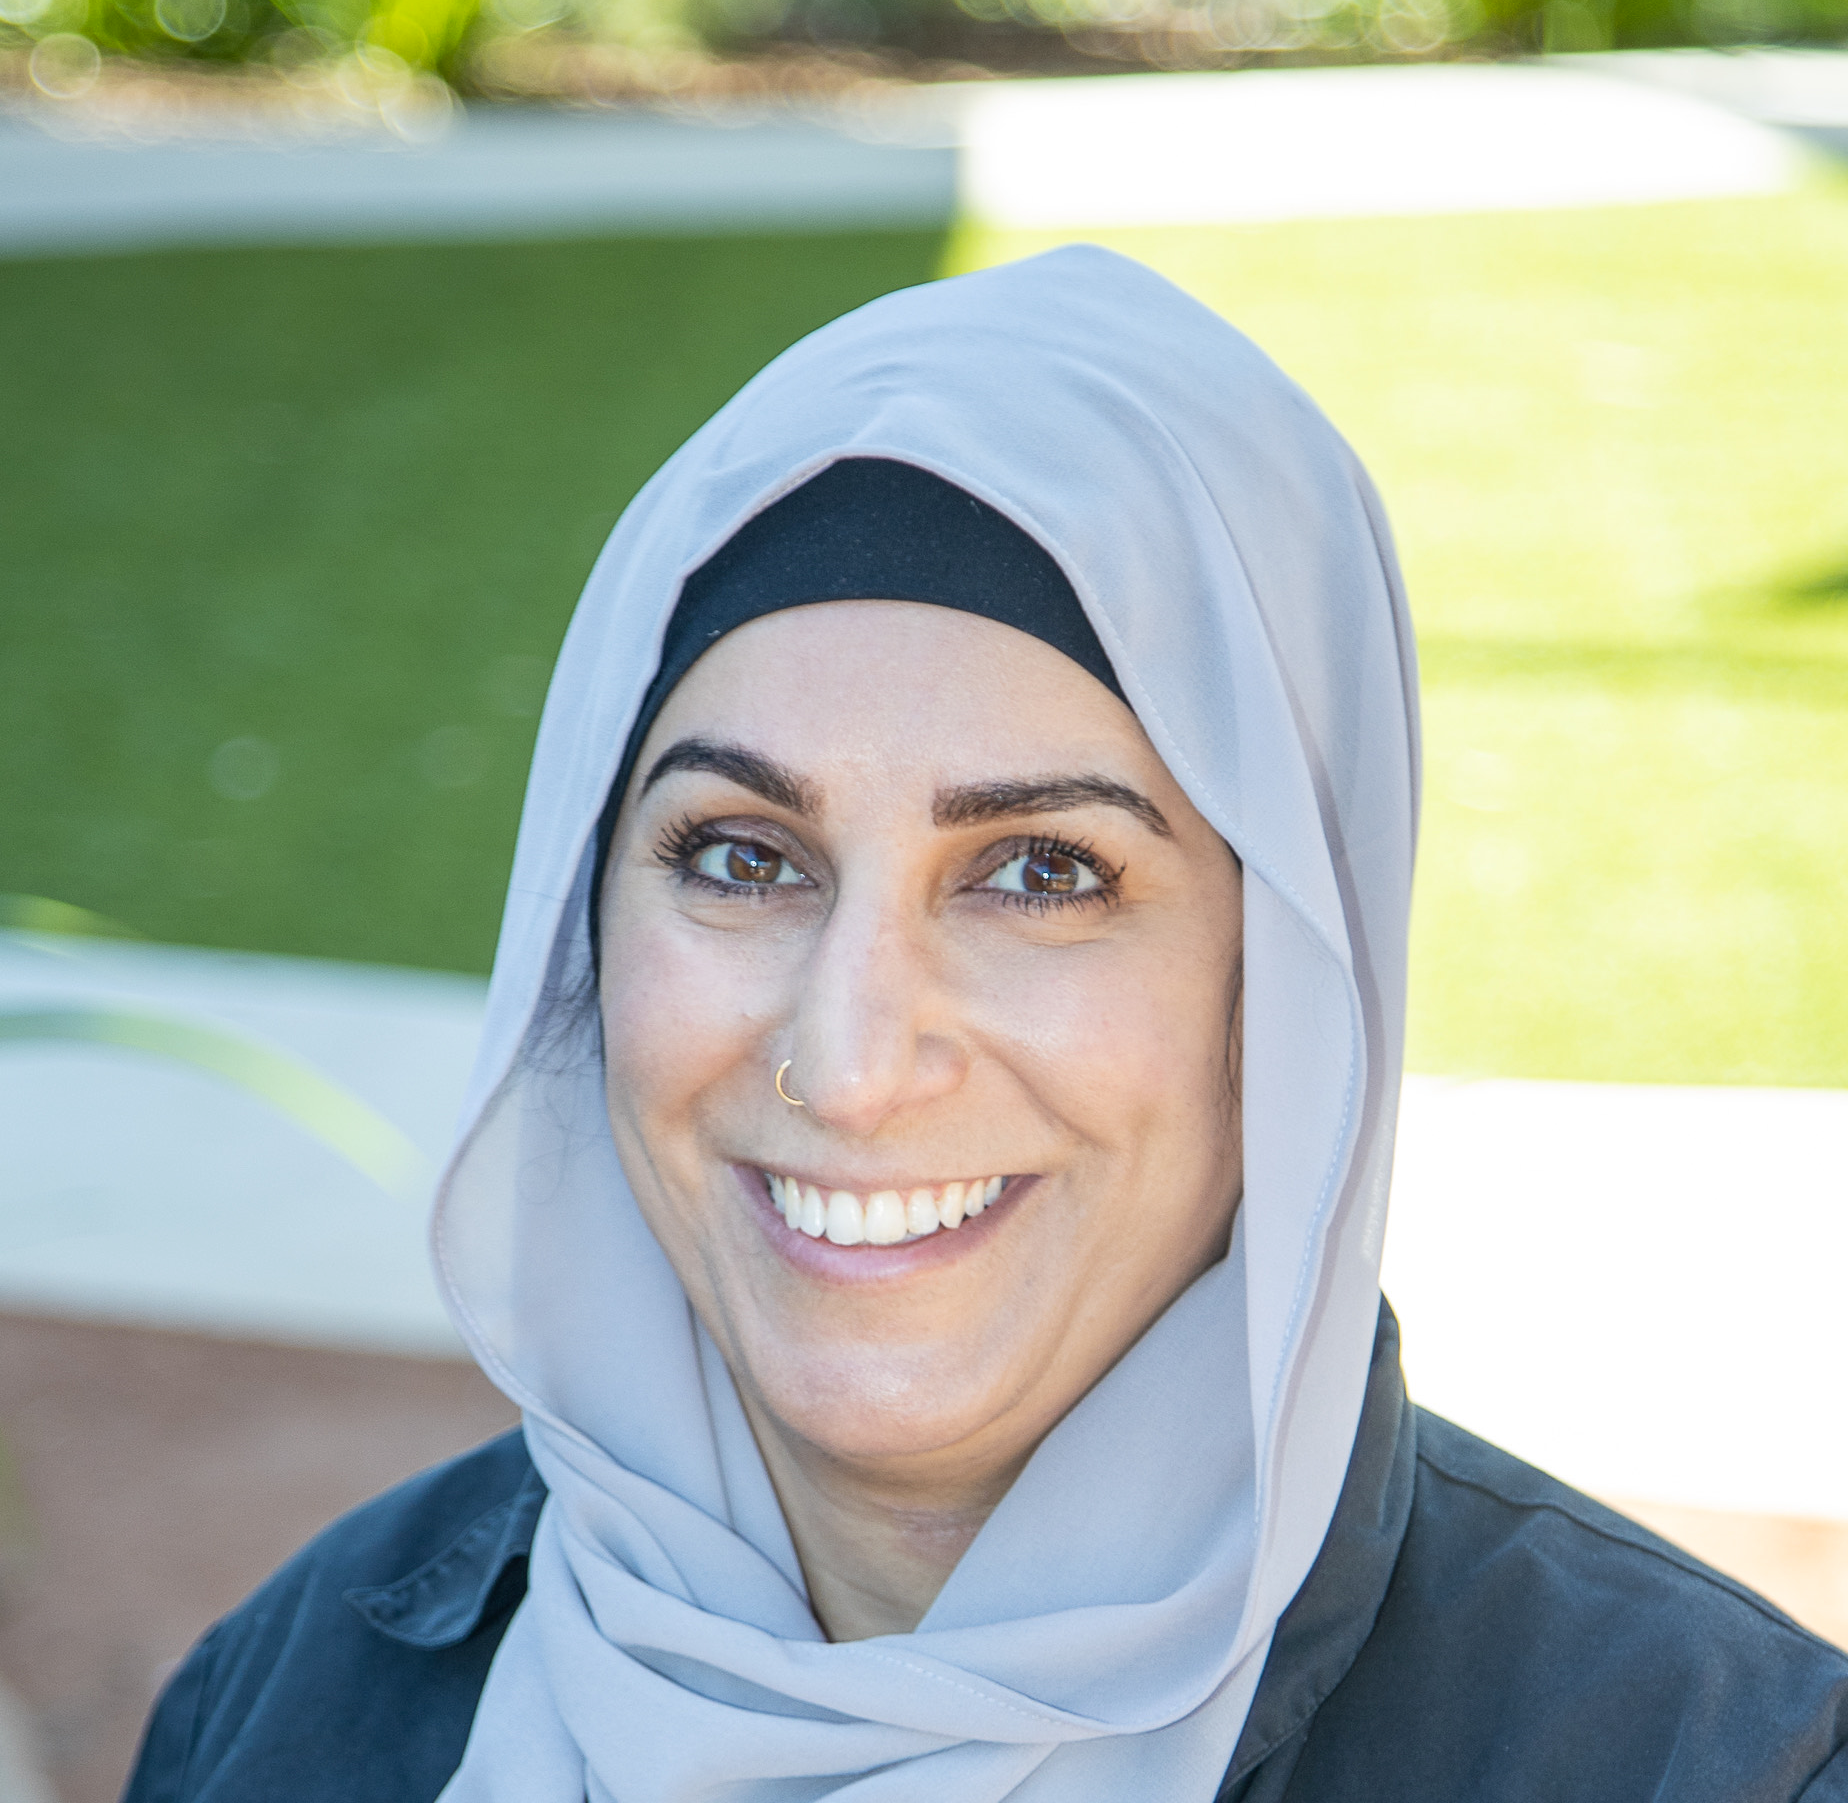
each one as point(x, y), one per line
point(925, 1176)
point(1005, 994)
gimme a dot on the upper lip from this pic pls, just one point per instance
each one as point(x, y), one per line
point(868, 1186)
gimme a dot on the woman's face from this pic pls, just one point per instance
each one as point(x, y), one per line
point(940, 870)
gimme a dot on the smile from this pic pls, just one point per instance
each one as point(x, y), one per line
point(886, 1217)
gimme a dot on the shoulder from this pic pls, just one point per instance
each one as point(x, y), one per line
point(1534, 1644)
point(354, 1671)
point(1494, 1538)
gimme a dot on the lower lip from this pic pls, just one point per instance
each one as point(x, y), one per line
point(824, 1260)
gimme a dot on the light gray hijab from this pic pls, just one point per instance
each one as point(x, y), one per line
point(1103, 1636)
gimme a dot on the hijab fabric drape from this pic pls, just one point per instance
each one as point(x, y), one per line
point(1104, 1634)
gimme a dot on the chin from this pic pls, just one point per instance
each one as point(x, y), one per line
point(874, 1404)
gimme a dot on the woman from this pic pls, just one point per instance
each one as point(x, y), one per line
point(926, 1172)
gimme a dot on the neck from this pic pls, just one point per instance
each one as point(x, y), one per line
point(877, 1542)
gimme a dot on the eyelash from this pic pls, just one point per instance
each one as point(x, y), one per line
point(1080, 851)
point(683, 841)
point(686, 838)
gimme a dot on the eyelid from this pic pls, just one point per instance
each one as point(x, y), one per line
point(685, 838)
point(999, 855)
point(690, 831)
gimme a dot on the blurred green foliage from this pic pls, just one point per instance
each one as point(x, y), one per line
point(1611, 444)
point(420, 34)
point(1568, 26)
point(292, 536)
point(449, 36)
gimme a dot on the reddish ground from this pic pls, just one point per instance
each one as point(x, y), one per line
point(150, 1479)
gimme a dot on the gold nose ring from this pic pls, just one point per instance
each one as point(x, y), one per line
point(793, 1101)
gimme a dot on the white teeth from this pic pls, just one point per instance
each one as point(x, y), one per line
point(979, 1194)
point(950, 1205)
point(885, 1218)
point(846, 1218)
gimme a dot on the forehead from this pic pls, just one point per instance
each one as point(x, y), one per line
point(902, 687)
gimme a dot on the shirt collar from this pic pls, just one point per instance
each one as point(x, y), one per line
point(443, 1601)
point(447, 1598)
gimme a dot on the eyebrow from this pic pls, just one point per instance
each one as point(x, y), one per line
point(973, 803)
point(967, 805)
point(776, 783)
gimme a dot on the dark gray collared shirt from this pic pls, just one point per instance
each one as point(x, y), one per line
point(1472, 1632)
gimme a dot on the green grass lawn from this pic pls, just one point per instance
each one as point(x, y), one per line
point(1614, 444)
point(339, 502)
point(291, 534)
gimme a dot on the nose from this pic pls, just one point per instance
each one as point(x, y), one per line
point(869, 1036)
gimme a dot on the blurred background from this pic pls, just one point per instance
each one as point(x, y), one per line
point(337, 334)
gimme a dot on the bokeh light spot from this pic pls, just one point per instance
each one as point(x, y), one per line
point(190, 21)
point(453, 757)
point(516, 685)
point(244, 769)
point(64, 66)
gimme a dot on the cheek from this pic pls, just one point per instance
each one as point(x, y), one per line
point(680, 1008)
point(1118, 1035)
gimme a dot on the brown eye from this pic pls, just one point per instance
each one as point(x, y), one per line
point(1050, 873)
point(1045, 872)
point(746, 864)
point(751, 864)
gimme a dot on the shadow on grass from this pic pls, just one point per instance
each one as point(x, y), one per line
point(1825, 589)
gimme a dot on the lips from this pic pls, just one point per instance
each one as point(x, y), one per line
point(886, 1217)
